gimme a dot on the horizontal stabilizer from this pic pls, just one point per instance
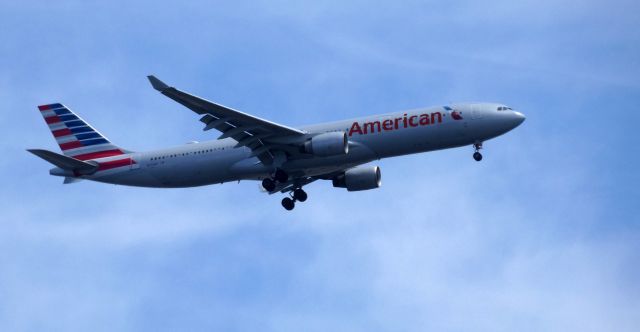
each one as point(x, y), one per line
point(64, 162)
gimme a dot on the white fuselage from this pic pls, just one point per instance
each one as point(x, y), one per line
point(370, 138)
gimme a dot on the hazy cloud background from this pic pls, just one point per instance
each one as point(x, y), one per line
point(542, 235)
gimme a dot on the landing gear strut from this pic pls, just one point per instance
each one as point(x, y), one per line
point(477, 155)
point(281, 176)
point(298, 195)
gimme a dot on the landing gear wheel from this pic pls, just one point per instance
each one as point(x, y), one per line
point(268, 184)
point(288, 203)
point(281, 176)
point(477, 155)
point(300, 195)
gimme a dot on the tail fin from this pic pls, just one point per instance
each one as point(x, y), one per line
point(76, 138)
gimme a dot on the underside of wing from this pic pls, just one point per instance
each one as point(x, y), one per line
point(263, 137)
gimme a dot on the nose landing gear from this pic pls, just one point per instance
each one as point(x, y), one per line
point(298, 195)
point(477, 155)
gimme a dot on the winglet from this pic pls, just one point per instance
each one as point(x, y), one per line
point(157, 84)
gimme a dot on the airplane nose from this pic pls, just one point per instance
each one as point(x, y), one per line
point(518, 118)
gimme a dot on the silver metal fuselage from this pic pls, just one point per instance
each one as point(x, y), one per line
point(218, 161)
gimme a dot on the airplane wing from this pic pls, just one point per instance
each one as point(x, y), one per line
point(261, 136)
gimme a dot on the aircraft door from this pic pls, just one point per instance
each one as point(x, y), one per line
point(476, 113)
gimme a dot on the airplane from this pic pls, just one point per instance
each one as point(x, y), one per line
point(283, 158)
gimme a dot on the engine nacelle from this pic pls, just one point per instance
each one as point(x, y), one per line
point(359, 178)
point(328, 144)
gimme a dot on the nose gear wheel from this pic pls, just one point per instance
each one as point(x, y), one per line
point(477, 155)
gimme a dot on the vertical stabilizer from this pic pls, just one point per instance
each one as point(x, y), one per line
point(75, 137)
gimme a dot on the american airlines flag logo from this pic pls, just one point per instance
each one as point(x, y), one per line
point(74, 136)
point(456, 115)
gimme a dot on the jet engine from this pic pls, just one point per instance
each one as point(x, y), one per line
point(328, 144)
point(359, 178)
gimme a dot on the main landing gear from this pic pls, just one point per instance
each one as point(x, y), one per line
point(477, 155)
point(279, 176)
point(297, 195)
point(269, 184)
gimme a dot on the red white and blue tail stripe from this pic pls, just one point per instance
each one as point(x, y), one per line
point(76, 138)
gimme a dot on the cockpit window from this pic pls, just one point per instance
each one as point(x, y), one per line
point(504, 108)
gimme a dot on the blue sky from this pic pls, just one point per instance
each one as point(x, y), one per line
point(542, 235)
